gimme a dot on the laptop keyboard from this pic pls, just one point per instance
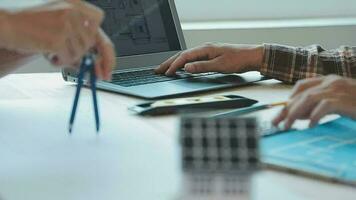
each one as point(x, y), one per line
point(143, 77)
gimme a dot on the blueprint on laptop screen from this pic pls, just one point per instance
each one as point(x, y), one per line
point(328, 150)
point(138, 26)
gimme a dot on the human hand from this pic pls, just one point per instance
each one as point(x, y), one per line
point(66, 29)
point(315, 98)
point(224, 58)
point(105, 58)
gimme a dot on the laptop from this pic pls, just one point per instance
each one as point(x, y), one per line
point(145, 34)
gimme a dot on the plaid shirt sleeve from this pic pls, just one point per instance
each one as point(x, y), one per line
point(290, 64)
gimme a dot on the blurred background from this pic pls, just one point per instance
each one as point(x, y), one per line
point(330, 23)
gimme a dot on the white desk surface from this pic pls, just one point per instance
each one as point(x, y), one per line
point(133, 158)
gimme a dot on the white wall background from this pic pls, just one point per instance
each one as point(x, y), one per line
point(202, 10)
point(330, 23)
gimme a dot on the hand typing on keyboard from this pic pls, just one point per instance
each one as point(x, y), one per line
point(224, 58)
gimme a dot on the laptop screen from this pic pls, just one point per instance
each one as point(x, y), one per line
point(139, 27)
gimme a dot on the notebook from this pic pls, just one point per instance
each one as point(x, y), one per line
point(327, 151)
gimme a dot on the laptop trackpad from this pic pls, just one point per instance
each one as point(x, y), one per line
point(230, 78)
point(212, 80)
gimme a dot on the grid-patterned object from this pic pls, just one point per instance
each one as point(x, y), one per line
point(219, 144)
point(218, 186)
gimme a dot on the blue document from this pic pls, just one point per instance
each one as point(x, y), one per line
point(327, 151)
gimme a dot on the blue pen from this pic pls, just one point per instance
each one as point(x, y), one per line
point(87, 65)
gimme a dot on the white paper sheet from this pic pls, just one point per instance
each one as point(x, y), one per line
point(40, 161)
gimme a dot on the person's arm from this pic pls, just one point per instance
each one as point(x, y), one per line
point(290, 64)
point(4, 27)
point(11, 60)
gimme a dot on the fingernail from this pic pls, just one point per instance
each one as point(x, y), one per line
point(188, 68)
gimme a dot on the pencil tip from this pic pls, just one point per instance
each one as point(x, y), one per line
point(97, 128)
point(70, 129)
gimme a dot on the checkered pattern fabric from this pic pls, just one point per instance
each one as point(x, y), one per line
point(219, 145)
point(290, 64)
